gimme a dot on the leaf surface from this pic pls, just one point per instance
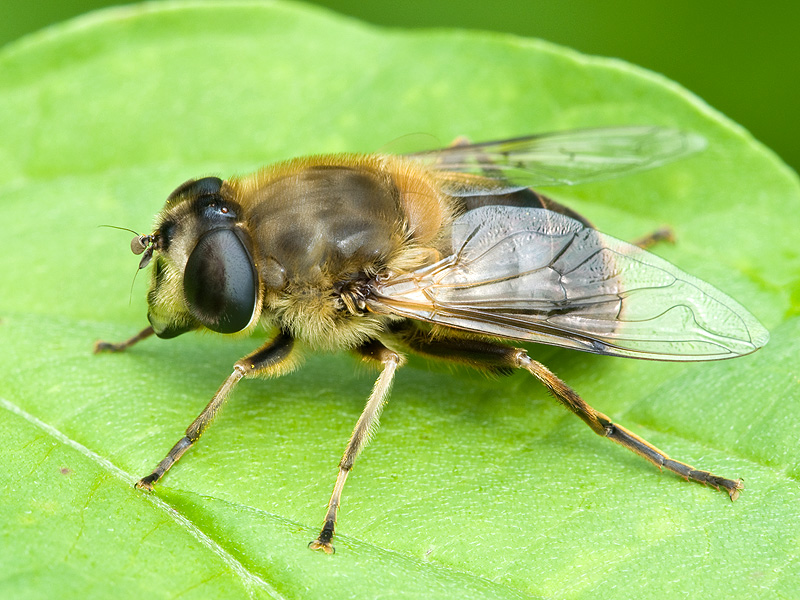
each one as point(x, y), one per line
point(472, 488)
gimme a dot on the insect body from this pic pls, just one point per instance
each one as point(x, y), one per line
point(441, 254)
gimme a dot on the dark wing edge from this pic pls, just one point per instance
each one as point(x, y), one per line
point(564, 158)
point(534, 275)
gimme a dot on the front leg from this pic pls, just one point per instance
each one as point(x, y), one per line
point(269, 360)
point(101, 346)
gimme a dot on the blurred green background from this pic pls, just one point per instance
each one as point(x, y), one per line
point(742, 58)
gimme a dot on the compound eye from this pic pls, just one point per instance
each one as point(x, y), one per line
point(220, 283)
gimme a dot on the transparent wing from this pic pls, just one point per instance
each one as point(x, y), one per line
point(561, 158)
point(535, 275)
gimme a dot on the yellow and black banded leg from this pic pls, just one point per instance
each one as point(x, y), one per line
point(365, 427)
point(269, 360)
point(493, 356)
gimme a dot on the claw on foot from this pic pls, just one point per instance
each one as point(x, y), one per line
point(734, 492)
point(145, 483)
point(324, 546)
point(101, 346)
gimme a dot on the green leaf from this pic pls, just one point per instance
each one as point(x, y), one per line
point(473, 488)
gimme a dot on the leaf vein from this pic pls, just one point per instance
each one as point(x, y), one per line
point(249, 579)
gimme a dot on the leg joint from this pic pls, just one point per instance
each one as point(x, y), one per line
point(374, 350)
point(520, 358)
point(269, 359)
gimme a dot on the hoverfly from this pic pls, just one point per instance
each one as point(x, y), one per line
point(446, 254)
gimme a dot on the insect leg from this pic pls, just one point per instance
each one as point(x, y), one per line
point(365, 427)
point(270, 359)
point(101, 346)
point(603, 426)
point(663, 234)
point(493, 356)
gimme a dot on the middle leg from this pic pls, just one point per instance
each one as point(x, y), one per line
point(365, 427)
